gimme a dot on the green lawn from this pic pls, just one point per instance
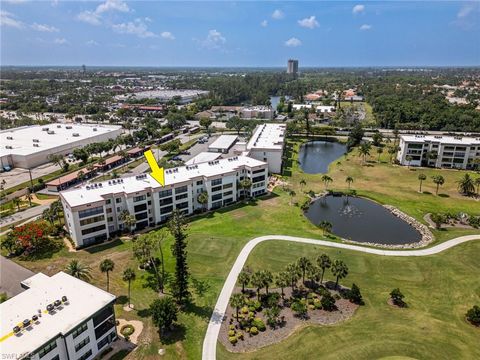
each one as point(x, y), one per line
point(215, 240)
point(438, 289)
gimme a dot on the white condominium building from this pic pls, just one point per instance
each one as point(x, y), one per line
point(258, 112)
point(93, 212)
point(439, 151)
point(267, 144)
point(57, 318)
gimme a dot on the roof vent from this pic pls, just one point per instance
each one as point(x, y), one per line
point(64, 299)
point(49, 307)
point(94, 129)
point(88, 187)
point(8, 147)
point(16, 330)
point(36, 145)
point(9, 137)
point(45, 129)
point(68, 127)
point(76, 134)
point(50, 132)
point(57, 303)
point(36, 140)
point(59, 126)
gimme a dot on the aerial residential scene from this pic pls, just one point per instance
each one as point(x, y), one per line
point(239, 180)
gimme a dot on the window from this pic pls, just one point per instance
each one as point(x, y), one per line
point(200, 182)
point(258, 171)
point(94, 239)
point(102, 315)
point(227, 186)
point(79, 330)
point(166, 209)
point(104, 328)
point(181, 189)
point(216, 188)
point(139, 198)
point(92, 220)
point(182, 205)
point(109, 201)
point(46, 349)
point(109, 210)
point(216, 182)
point(141, 207)
point(166, 201)
point(258, 178)
point(93, 229)
point(216, 197)
point(181, 196)
point(228, 193)
point(164, 193)
point(141, 216)
point(110, 219)
point(118, 200)
point(103, 342)
point(82, 344)
point(90, 212)
point(86, 355)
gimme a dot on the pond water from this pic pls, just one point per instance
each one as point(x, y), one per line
point(362, 220)
point(315, 156)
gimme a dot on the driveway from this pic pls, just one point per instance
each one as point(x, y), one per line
point(210, 341)
point(23, 215)
point(11, 276)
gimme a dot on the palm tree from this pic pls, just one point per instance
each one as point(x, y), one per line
point(76, 269)
point(379, 152)
point(339, 270)
point(326, 180)
point(244, 279)
point(438, 180)
point(326, 226)
point(364, 150)
point(303, 264)
point(421, 177)
point(16, 202)
point(81, 176)
point(129, 276)
point(106, 266)
point(477, 184)
point(202, 199)
point(257, 281)
point(267, 277)
point(293, 274)
point(466, 185)
point(392, 151)
point(302, 184)
point(349, 180)
point(29, 197)
point(245, 185)
point(48, 215)
point(237, 301)
point(282, 280)
point(323, 262)
point(409, 160)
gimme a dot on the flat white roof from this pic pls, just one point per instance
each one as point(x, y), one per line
point(268, 136)
point(83, 300)
point(223, 142)
point(203, 157)
point(82, 195)
point(454, 140)
point(22, 138)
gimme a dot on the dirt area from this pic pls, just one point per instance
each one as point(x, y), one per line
point(138, 325)
point(451, 224)
point(289, 323)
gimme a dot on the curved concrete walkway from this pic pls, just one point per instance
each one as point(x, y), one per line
point(210, 341)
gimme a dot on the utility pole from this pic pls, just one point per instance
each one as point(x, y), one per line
point(31, 180)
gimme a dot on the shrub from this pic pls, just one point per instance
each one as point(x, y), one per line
point(244, 310)
point(259, 324)
point(232, 339)
point(317, 304)
point(311, 307)
point(257, 305)
point(328, 302)
point(231, 333)
point(299, 308)
point(127, 330)
point(253, 330)
point(232, 327)
point(240, 336)
point(251, 308)
point(397, 297)
point(354, 295)
point(473, 315)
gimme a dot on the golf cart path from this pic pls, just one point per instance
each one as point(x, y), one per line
point(210, 341)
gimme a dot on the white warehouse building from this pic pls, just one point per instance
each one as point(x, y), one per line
point(439, 151)
point(93, 212)
point(57, 318)
point(267, 144)
point(29, 146)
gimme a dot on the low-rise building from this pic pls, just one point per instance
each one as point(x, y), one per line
point(223, 143)
point(57, 318)
point(439, 151)
point(93, 213)
point(267, 144)
point(258, 112)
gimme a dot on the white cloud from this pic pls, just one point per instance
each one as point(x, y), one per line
point(167, 35)
point(8, 19)
point(137, 27)
point(95, 17)
point(44, 28)
point(89, 17)
point(264, 23)
point(465, 11)
point(15, 1)
point(357, 9)
point(54, 3)
point(278, 14)
point(147, 19)
point(309, 22)
point(92, 43)
point(365, 27)
point(214, 40)
point(293, 42)
point(60, 41)
point(112, 5)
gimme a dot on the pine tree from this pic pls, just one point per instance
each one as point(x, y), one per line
point(179, 250)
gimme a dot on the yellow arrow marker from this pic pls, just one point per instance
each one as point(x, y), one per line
point(157, 172)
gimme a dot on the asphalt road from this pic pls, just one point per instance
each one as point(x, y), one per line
point(11, 275)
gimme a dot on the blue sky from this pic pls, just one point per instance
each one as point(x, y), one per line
point(241, 33)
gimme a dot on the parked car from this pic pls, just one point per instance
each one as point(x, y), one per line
point(176, 158)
